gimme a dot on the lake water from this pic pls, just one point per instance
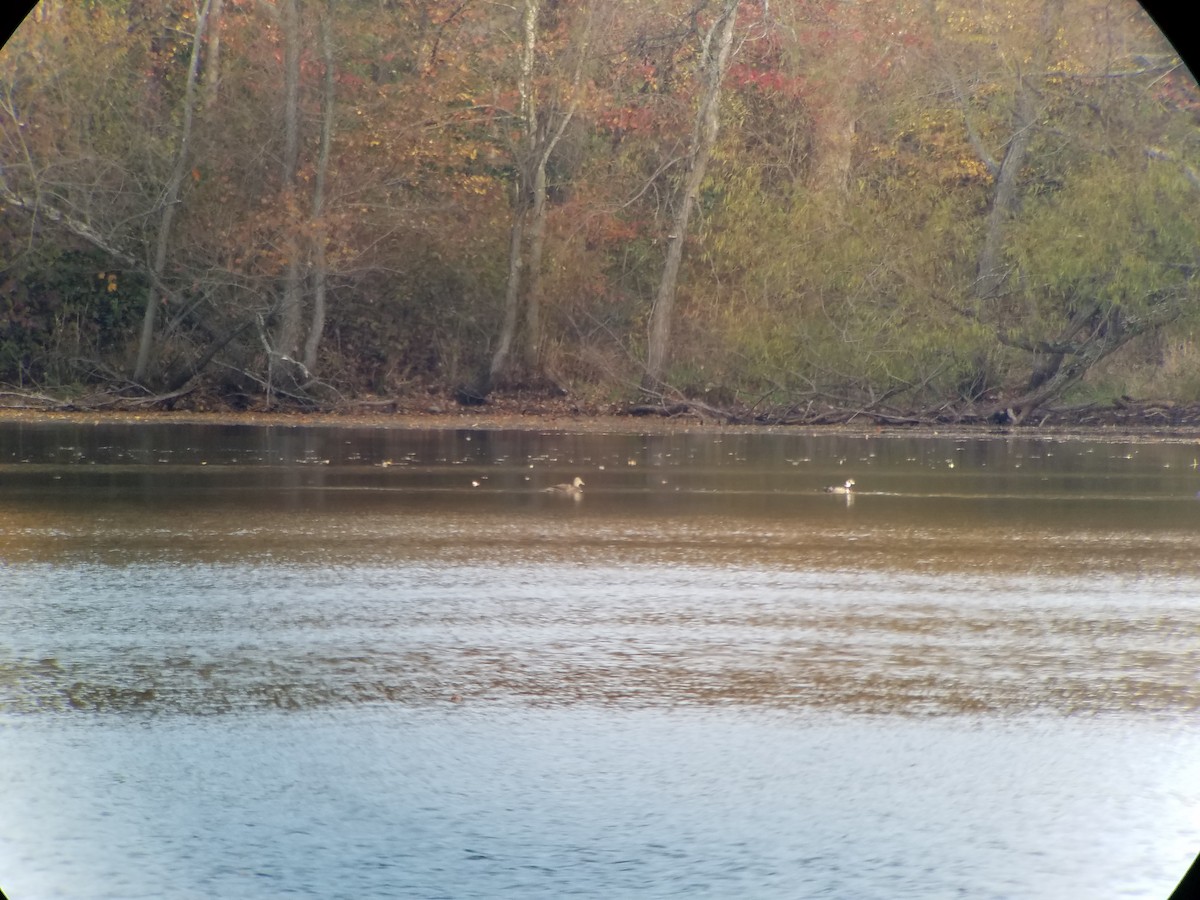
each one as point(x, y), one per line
point(270, 661)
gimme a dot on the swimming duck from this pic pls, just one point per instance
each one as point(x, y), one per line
point(575, 488)
point(846, 488)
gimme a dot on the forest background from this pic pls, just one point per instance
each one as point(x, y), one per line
point(784, 210)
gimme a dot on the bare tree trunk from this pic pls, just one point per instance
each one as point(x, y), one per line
point(512, 295)
point(158, 293)
point(533, 291)
point(316, 327)
point(290, 14)
point(287, 338)
point(833, 149)
point(837, 119)
point(530, 206)
point(212, 58)
point(991, 274)
point(522, 192)
point(713, 65)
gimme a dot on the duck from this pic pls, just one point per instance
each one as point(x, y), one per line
point(575, 488)
point(847, 488)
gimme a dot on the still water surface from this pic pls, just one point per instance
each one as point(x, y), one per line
point(255, 662)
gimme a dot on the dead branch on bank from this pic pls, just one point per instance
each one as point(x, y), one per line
point(96, 401)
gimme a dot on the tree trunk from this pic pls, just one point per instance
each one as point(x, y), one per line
point(833, 149)
point(212, 57)
point(158, 293)
point(316, 326)
point(287, 336)
point(512, 297)
point(533, 288)
point(990, 272)
point(837, 118)
point(522, 193)
point(714, 63)
point(530, 206)
point(290, 14)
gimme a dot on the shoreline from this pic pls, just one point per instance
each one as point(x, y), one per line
point(477, 419)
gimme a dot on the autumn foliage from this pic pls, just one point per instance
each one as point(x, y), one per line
point(924, 208)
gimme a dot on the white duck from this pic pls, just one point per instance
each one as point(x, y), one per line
point(574, 489)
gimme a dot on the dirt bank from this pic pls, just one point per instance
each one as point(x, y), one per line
point(566, 418)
